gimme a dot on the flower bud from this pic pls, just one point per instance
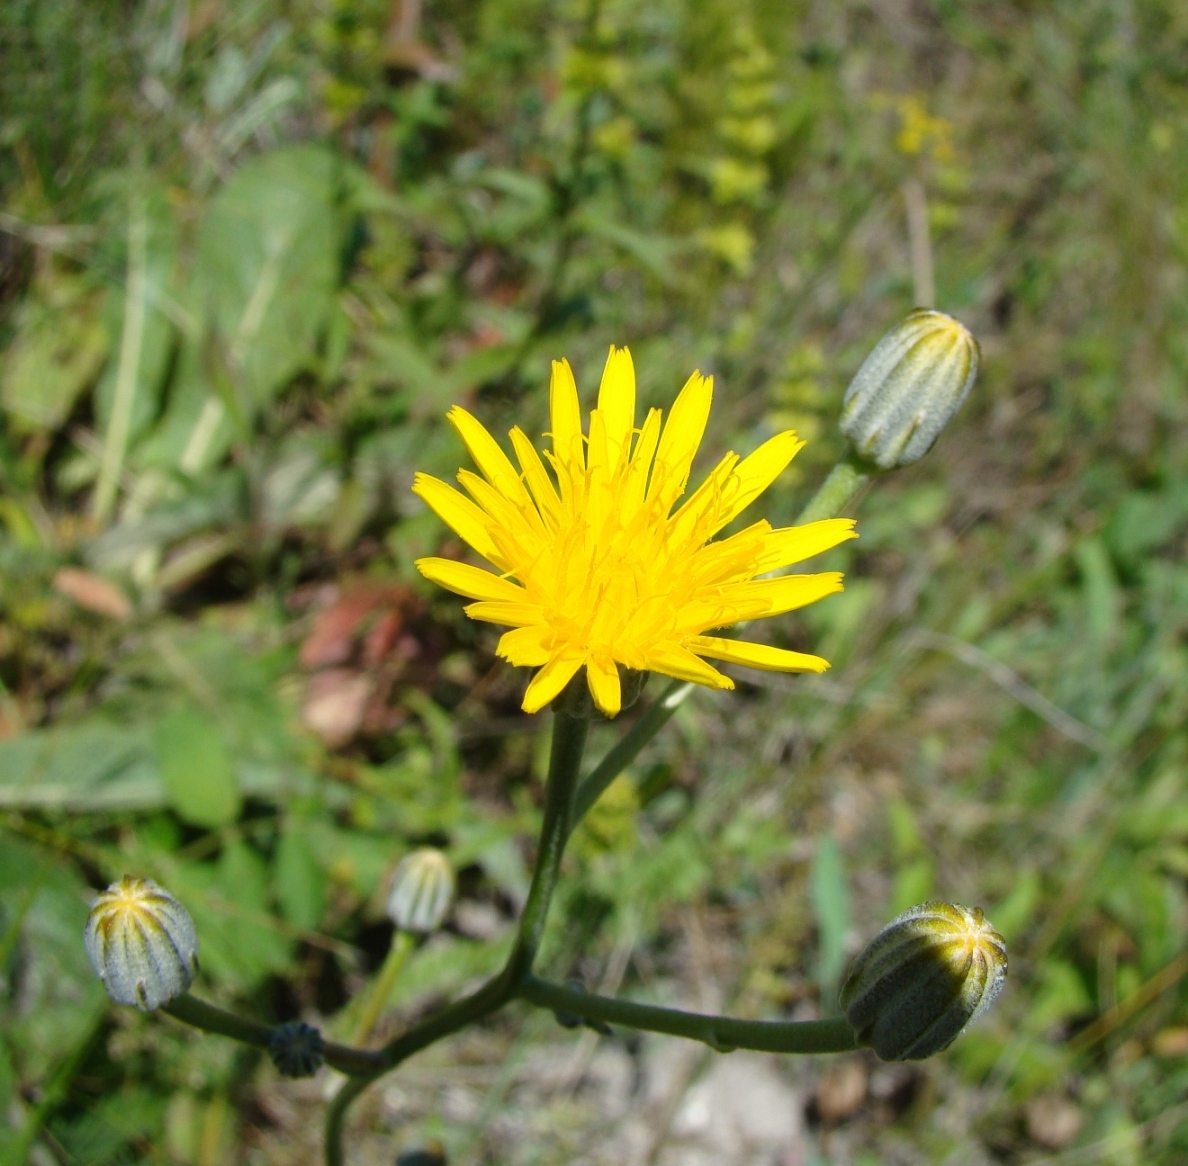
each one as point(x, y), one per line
point(297, 1049)
point(422, 891)
point(142, 943)
point(908, 388)
point(923, 979)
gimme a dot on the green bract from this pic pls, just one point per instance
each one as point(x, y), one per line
point(923, 979)
point(908, 389)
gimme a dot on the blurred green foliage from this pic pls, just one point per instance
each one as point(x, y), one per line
point(250, 253)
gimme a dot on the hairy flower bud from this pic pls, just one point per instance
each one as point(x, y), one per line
point(297, 1049)
point(908, 388)
point(422, 891)
point(923, 979)
point(142, 943)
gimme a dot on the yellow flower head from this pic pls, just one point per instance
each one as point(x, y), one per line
point(600, 567)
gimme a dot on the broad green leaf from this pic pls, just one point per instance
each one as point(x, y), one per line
point(241, 941)
point(298, 877)
point(52, 998)
point(196, 429)
point(94, 765)
point(300, 487)
point(267, 267)
point(914, 883)
point(196, 768)
point(831, 905)
point(57, 351)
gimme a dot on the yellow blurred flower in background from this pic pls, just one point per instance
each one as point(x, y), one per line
point(598, 565)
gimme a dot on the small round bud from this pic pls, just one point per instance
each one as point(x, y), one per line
point(908, 388)
point(142, 943)
point(923, 979)
point(422, 891)
point(297, 1049)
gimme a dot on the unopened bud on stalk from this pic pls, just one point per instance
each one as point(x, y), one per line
point(297, 1049)
point(422, 891)
point(908, 389)
point(923, 979)
point(142, 943)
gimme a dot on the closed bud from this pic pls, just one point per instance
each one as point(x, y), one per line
point(297, 1049)
point(923, 979)
point(908, 389)
point(142, 943)
point(422, 891)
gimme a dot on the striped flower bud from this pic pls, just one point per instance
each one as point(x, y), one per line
point(142, 943)
point(422, 891)
point(908, 389)
point(923, 979)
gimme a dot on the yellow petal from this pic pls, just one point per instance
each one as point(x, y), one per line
point(603, 679)
point(616, 401)
point(756, 655)
point(550, 680)
point(673, 660)
point(785, 593)
point(681, 438)
point(697, 516)
point(565, 415)
point(494, 463)
point(598, 457)
point(525, 647)
point(794, 544)
point(641, 462)
point(755, 473)
point(461, 515)
point(473, 582)
point(523, 523)
point(535, 474)
point(505, 612)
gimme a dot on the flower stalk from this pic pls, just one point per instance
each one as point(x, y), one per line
point(722, 1033)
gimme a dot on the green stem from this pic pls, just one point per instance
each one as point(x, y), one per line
point(719, 1032)
point(844, 481)
point(402, 945)
point(565, 761)
point(199, 1014)
point(629, 746)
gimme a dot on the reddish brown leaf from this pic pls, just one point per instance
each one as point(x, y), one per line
point(93, 593)
point(335, 702)
point(379, 640)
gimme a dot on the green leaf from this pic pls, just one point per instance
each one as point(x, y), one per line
point(268, 266)
point(196, 769)
point(831, 905)
point(58, 350)
point(241, 940)
point(51, 998)
point(298, 877)
point(93, 765)
point(144, 300)
point(914, 883)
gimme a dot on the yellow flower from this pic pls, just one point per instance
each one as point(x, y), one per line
point(596, 566)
